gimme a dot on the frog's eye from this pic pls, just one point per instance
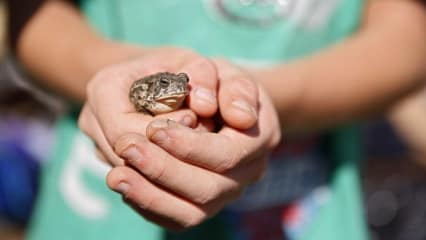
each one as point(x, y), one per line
point(184, 76)
point(164, 82)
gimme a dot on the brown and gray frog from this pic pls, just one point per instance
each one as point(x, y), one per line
point(159, 93)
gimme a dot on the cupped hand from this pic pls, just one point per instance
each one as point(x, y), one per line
point(108, 113)
point(178, 177)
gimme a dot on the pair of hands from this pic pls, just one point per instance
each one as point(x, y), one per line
point(172, 168)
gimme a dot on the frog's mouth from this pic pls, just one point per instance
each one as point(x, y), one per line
point(174, 101)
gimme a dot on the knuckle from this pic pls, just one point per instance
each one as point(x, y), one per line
point(251, 88)
point(113, 130)
point(158, 174)
point(112, 134)
point(228, 163)
point(143, 201)
point(210, 193)
point(205, 64)
point(188, 151)
point(127, 140)
point(184, 144)
point(244, 86)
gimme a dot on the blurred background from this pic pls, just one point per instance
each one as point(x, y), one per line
point(393, 172)
point(26, 117)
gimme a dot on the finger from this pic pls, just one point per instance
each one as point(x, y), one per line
point(238, 96)
point(115, 125)
point(89, 125)
point(203, 82)
point(170, 173)
point(101, 156)
point(148, 197)
point(217, 152)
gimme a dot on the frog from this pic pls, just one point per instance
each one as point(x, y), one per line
point(159, 93)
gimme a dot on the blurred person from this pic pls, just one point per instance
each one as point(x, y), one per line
point(322, 64)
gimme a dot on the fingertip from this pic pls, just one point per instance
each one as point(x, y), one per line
point(238, 99)
point(203, 84)
point(116, 176)
point(158, 130)
point(188, 119)
point(245, 107)
point(203, 101)
point(185, 117)
point(240, 114)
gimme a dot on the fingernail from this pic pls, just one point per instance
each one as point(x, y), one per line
point(132, 154)
point(159, 136)
point(123, 187)
point(245, 106)
point(160, 123)
point(205, 94)
point(187, 121)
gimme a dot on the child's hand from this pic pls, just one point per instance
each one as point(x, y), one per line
point(179, 177)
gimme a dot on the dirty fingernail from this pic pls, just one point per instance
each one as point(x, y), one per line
point(206, 95)
point(123, 187)
point(245, 106)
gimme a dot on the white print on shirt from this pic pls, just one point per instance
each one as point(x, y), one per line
point(305, 14)
point(312, 14)
point(76, 194)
